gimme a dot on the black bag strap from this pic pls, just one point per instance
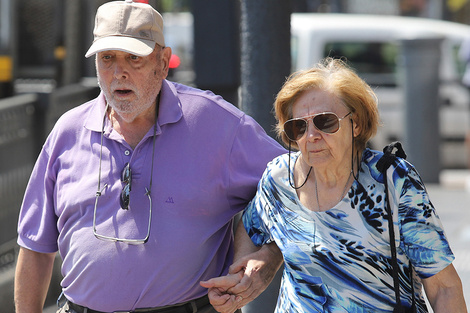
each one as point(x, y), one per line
point(391, 152)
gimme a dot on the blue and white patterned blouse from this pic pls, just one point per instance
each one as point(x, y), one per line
point(339, 260)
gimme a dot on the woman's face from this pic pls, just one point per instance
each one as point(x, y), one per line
point(319, 149)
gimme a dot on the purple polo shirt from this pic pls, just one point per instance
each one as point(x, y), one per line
point(209, 157)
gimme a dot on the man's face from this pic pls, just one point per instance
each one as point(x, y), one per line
point(131, 83)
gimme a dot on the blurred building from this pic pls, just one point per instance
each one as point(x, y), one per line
point(451, 10)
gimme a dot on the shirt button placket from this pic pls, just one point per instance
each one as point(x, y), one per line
point(127, 155)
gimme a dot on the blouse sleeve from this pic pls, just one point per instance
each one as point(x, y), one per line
point(422, 235)
point(255, 216)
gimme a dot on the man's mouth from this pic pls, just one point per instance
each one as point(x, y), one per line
point(123, 91)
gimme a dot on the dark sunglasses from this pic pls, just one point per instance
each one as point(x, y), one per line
point(327, 122)
point(126, 178)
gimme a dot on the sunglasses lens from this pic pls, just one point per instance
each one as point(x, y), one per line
point(327, 123)
point(124, 200)
point(126, 174)
point(126, 177)
point(295, 129)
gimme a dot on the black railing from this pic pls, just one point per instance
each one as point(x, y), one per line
point(25, 121)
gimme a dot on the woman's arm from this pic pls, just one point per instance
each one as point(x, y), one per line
point(444, 291)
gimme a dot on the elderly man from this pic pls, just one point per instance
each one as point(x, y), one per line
point(137, 188)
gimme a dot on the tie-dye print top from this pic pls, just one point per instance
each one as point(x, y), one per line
point(339, 260)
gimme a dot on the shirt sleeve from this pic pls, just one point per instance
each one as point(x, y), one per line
point(423, 237)
point(251, 151)
point(37, 224)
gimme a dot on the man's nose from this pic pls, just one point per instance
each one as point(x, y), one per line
point(120, 70)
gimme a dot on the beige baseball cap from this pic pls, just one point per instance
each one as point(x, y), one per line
point(127, 26)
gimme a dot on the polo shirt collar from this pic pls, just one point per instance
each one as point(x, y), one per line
point(170, 109)
point(170, 105)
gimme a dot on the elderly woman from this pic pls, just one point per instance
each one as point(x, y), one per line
point(324, 208)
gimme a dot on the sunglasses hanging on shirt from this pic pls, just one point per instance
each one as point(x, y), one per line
point(126, 178)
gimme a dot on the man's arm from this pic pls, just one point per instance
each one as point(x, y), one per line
point(256, 266)
point(445, 292)
point(260, 265)
point(32, 279)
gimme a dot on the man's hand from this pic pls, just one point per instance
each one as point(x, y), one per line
point(219, 296)
point(259, 270)
point(251, 273)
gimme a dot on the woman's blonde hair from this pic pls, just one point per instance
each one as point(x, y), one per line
point(335, 76)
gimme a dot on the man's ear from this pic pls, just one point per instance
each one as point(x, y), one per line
point(165, 57)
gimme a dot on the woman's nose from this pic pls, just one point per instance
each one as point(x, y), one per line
point(312, 132)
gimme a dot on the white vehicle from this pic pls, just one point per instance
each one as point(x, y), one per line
point(371, 45)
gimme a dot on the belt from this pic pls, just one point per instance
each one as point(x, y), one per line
point(187, 307)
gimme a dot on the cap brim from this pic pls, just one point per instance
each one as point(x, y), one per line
point(131, 45)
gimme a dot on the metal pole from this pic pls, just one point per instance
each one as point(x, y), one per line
point(217, 47)
point(74, 55)
point(420, 69)
point(265, 64)
point(435, 8)
point(265, 56)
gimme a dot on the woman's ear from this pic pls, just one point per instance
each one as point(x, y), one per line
point(356, 128)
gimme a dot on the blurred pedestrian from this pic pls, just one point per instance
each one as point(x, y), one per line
point(326, 209)
point(137, 189)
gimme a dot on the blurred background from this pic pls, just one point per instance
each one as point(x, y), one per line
point(413, 53)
